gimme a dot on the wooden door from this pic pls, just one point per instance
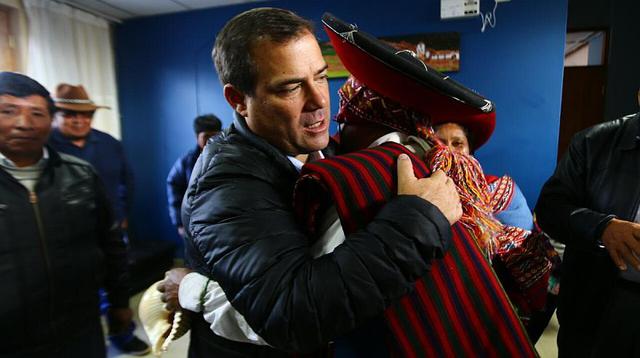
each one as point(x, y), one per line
point(582, 101)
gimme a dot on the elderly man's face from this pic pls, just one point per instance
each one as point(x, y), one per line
point(73, 124)
point(290, 105)
point(25, 124)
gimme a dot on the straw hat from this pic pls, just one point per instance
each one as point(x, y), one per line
point(162, 326)
point(74, 98)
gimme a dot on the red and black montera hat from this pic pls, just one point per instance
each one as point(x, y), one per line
point(403, 78)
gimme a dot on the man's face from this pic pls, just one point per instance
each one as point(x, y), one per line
point(74, 125)
point(25, 124)
point(290, 104)
point(203, 137)
point(454, 137)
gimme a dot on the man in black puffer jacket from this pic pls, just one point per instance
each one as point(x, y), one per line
point(57, 241)
point(240, 227)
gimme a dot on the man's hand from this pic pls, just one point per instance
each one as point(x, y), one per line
point(438, 189)
point(621, 239)
point(181, 231)
point(169, 287)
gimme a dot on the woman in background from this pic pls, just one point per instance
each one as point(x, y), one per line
point(513, 212)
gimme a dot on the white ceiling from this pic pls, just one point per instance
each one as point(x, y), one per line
point(117, 10)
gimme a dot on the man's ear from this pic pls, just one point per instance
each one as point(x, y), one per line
point(236, 99)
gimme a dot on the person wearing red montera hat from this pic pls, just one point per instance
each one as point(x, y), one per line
point(354, 187)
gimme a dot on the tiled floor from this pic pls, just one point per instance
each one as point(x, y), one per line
point(546, 345)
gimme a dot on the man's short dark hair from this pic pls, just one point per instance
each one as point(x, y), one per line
point(207, 123)
point(18, 85)
point(232, 50)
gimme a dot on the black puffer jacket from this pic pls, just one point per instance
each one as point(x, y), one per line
point(241, 232)
point(56, 246)
point(596, 180)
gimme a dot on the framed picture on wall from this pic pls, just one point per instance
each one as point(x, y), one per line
point(438, 50)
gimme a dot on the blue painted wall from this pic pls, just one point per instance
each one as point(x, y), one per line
point(166, 78)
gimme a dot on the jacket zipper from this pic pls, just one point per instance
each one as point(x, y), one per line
point(33, 198)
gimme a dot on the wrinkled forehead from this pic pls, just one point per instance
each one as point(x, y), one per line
point(32, 101)
point(272, 41)
point(451, 129)
point(450, 126)
point(293, 57)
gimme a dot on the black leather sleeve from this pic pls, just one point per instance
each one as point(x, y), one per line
point(114, 249)
point(563, 206)
point(246, 235)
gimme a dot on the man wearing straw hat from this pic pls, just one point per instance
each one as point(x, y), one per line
point(73, 135)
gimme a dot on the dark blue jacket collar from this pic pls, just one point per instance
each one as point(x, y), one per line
point(240, 126)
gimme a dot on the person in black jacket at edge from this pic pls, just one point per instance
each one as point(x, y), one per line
point(58, 241)
point(241, 230)
point(591, 202)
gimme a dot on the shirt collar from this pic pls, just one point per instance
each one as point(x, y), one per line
point(396, 137)
point(298, 164)
point(6, 162)
point(240, 126)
